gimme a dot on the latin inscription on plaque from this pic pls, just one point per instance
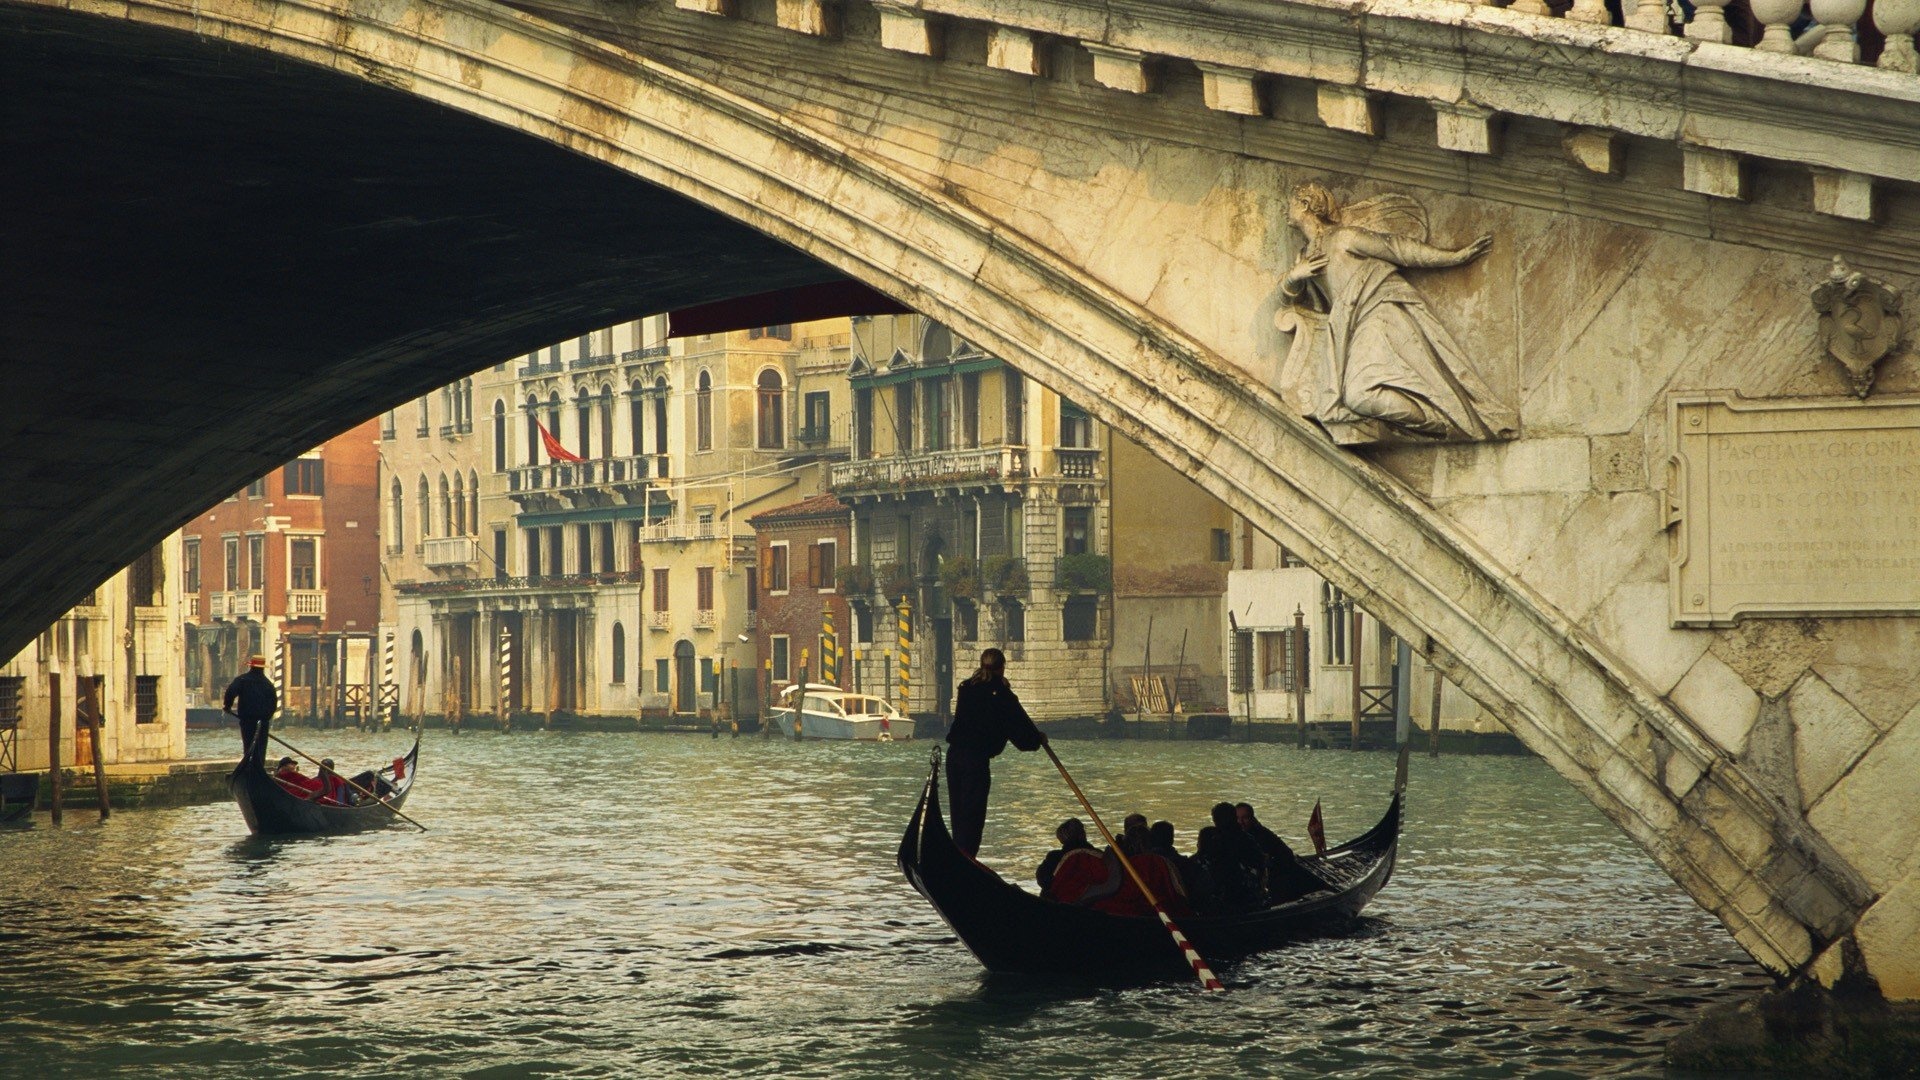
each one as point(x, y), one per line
point(1783, 509)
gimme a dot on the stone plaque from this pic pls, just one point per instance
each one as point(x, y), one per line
point(1793, 508)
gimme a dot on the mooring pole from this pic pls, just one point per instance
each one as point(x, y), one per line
point(1300, 673)
point(1433, 723)
point(1354, 655)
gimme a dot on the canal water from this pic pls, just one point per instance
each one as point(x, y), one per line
point(622, 905)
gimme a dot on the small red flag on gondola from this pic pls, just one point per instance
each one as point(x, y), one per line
point(554, 450)
point(1317, 829)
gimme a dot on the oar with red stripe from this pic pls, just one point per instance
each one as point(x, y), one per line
point(1200, 969)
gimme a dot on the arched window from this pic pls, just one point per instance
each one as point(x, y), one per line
point(473, 502)
point(606, 421)
point(553, 417)
point(619, 653)
point(425, 509)
point(636, 419)
point(772, 410)
point(583, 409)
point(703, 412)
point(446, 507)
point(660, 416)
point(466, 405)
point(458, 525)
point(499, 435)
point(533, 430)
point(396, 524)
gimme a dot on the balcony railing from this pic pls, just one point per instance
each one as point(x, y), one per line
point(193, 605)
point(448, 431)
point(306, 604)
point(595, 361)
point(444, 551)
point(535, 583)
point(245, 604)
point(932, 469)
point(556, 476)
point(541, 368)
point(659, 620)
point(753, 620)
point(1707, 21)
point(703, 620)
point(679, 531)
point(651, 352)
point(1077, 464)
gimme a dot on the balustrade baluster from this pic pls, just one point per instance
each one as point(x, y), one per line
point(1646, 15)
point(1777, 16)
point(1898, 19)
point(1838, 17)
point(1709, 22)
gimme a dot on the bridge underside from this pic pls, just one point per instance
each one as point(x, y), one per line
point(217, 259)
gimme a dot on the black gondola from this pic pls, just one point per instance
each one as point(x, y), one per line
point(272, 810)
point(1013, 931)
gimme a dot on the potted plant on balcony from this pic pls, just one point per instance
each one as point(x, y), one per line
point(1005, 575)
point(1083, 573)
point(855, 581)
point(896, 580)
point(960, 576)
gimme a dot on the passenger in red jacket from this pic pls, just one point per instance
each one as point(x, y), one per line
point(332, 788)
point(294, 780)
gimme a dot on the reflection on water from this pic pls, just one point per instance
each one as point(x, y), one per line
point(596, 904)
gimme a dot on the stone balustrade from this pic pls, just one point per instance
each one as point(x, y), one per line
point(1833, 78)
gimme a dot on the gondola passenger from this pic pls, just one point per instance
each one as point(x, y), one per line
point(1160, 842)
point(333, 789)
point(1073, 846)
point(1286, 879)
point(291, 778)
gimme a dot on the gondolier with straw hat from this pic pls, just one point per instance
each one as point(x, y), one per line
point(252, 699)
point(986, 716)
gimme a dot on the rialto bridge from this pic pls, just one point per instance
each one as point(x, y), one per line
point(1639, 471)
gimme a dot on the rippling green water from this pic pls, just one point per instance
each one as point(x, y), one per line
point(655, 905)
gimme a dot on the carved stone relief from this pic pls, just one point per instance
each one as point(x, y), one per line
point(1859, 322)
point(1369, 360)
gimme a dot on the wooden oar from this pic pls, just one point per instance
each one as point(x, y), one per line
point(390, 807)
point(1200, 969)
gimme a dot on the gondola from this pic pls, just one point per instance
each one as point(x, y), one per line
point(1012, 931)
point(272, 810)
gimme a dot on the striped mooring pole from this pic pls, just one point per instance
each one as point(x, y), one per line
point(279, 674)
point(389, 700)
point(906, 656)
point(506, 671)
point(829, 649)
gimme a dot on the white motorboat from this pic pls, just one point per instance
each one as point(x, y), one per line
point(822, 711)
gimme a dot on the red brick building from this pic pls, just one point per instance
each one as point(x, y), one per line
point(803, 551)
point(291, 560)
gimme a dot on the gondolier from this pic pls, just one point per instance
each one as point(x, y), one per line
point(252, 698)
point(986, 716)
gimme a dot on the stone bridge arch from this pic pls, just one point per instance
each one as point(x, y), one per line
point(1733, 843)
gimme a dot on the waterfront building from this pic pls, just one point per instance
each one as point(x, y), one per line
point(617, 585)
point(289, 567)
point(119, 649)
point(803, 624)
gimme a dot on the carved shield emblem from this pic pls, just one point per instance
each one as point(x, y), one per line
point(1859, 322)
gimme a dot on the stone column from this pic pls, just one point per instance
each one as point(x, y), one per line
point(1837, 18)
point(1777, 16)
point(1898, 19)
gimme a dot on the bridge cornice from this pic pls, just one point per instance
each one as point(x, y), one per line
point(1807, 110)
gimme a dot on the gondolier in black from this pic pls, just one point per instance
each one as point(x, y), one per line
point(986, 716)
point(252, 698)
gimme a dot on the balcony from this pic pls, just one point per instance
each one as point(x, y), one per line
point(454, 431)
point(939, 468)
point(306, 604)
point(678, 532)
point(596, 480)
point(245, 604)
point(651, 352)
point(659, 620)
point(752, 620)
point(538, 368)
point(598, 361)
point(192, 603)
point(703, 620)
point(445, 551)
point(538, 583)
point(1076, 463)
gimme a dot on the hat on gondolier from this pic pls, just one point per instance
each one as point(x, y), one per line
point(258, 661)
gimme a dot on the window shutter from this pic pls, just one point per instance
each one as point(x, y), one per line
point(766, 569)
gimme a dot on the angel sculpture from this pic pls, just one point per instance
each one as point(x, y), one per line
point(1366, 348)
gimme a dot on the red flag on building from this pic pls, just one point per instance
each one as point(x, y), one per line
point(554, 449)
point(1317, 830)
